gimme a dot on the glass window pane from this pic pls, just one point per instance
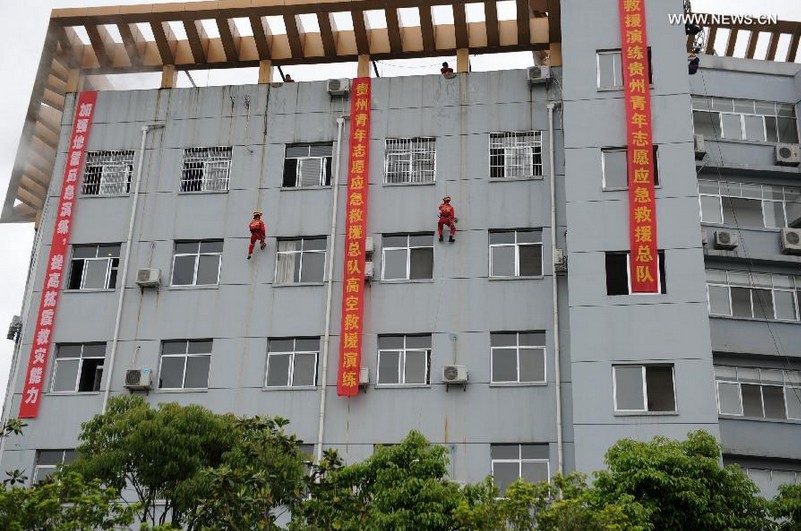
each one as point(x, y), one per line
point(183, 270)
point(752, 400)
point(395, 264)
point(529, 236)
point(416, 366)
point(394, 241)
point(504, 365)
point(422, 263)
point(304, 370)
point(742, 212)
point(66, 375)
point(659, 381)
point(308, 345)
point(793, 213)
point(615, 171)
point(505, 451)
point(418, 341)
point(503, 339)
point(314, 244)
point(729, 398)
point(628, 388)
point(532, 365)
point(532, 339)
point(186, 247)
point(503, 474)
point(746, 106)
point(530, 260)
point(173, 347)
point(534, 451)
point(707, 124)
point(710, 209)
point(390, 342)
point(741, 302)
point(421, 240)
point(208, 270)
point(313, 267)
point(388, 367)
point(754, 128)
point(606, 72)
point(535, 472)
point(718, 300)
point(84, 251)
point(171, 375)
point(793, 398)
point(68, 351)
point(502, 237)
point(708, 187)
point(503, 261)
point(199, 347)
point(278, 370)
point(771, 129)
point(49, 457)
point(785, 305)
point(774, 214)
point(108, 251)
point(788, 130)
point(96, 350)
point(214, 246)
point(773, 396)
point(732, 127)
point(763, 304)
point(197, 372)
point(94, 274)
point(287, 266)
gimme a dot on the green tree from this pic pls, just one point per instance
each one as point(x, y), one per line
point(786, 507)
point(681, 485)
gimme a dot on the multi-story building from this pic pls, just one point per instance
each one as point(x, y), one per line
point(521, 346)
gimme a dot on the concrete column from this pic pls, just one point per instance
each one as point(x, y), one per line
point(462, 60)
point(555, 54)
point(169, 76)
point(363, 69)
point(265, 72)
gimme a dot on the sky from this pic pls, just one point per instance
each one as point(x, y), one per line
point(22, 31)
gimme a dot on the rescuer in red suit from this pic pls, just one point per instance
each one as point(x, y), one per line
point(447, 216)
point(257, 232)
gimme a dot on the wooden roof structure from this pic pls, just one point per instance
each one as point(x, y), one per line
point(66, 60)
point(725, 42)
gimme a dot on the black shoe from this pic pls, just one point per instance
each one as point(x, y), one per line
point(248, 257)
point(440, 238)
point(451, 239)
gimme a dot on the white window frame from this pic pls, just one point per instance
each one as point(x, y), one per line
point(659, 255)
point(643, 368)
point(291, 366)
point(322, 178)
point(790, 390)
point(728, 284)
point(624, 150)
point(408, 248)
point(300, 252)
point(108, 163)
point(197, 256)
point(517, 245)
point(516, 145)
point(709, 104)
point(186, 355)
point(765, 199)
point(520, 460)
point(80, 359)
point(217, 158)
point(37, 468)
point(617, 59)
point(517, 348)
point(402, 363)
point(398, 151)
point(109, 267)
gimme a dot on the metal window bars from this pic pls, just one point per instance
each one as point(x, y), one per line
point(206, 169)
point(107, 173)
point(410, 160)
point(515, 155)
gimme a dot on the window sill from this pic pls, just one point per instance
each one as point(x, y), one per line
point(99, 290)
point(744, 142)
point(752, 319)
point(290, 388)
point(518, 384)
point(646, 413)
point(495, 279)
point(617, 89)
point(299, 284)
point(626, 189)
point(714, 225)
point(73, 393)
point(759, 419)
point(301, 188)
point(402, 386)
point(407, 281)
point(516, 179)
point(201, 192)
point(102, 196)
point(173, 391)
point(201, 286)
point(432, 183)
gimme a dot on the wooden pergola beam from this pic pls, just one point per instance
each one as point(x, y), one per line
point(393, 30)
point(731, 42)
point(360, 27)
point(460, 25)
point(198, 40)
point(752, 44)
point(133, 42)
point(229, 36)
point(427, 28)
point(792, 50)
point(101, 43)
point(165, 41)
point(491, 19)
point(294, 29)
point(261, 32)
point(523, 17)
point(328, 28)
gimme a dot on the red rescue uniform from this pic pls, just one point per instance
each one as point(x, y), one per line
point(257, 233)
point(447, 216)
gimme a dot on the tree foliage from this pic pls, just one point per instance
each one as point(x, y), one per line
point(786, 507)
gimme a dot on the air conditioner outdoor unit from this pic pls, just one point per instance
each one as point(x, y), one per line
point(338, 87)
point(791, 241)
point(559, 261)
point(369, 270)
point(369, 246)
point(726, 240)
point(788, 154)
point(454, 374)
point(137, 379)
point(364, 377)
point(538, 74)
point(700, 151)
point(148, 278)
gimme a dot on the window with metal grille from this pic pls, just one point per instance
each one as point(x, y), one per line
point(409, 160)
point(300, 260)
point(94, 266)
point(185, 364)
point(515, 155)
point(206, 169)
point(753, 295)
point(107, 173)
point(511, 462)
point(78, 367)
point(292, 362)
point(758, 392)
point(404, 360)
point(517, 357)
point(307, 165)
point(48, 461)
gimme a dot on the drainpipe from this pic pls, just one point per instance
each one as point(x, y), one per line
point(556, 354)
point(126, 260)
point(330, 289)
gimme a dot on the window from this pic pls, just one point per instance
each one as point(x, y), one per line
point(185, 364)
point(47, 461)
point(749, 205)
point(618, 273)
point(206, 169)
point(517, 357)
point(292, 362)
point(409, 160)
point(609, 65)
point(407, 256)
point(734, 119)
point(768, 474)
point(404, 360)
point(641, 388)
point(107, 173)
point(753, 295)
point(197, 263)
point(94, 266)
point(511, 462)
point(78, 368)
point(515, 253)
point(300, 260)
point(615, 169)
point(515, 155)
point(758, 392)
point(307, 165)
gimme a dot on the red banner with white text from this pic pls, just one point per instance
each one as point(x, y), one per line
point(56, 261)
point(642, 202)
point(350, 344)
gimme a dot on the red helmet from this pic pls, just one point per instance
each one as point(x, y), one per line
point(447, 198)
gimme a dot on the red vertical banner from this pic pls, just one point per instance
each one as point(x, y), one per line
point(350, 344)
point(642, 202)
point(56, 261)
